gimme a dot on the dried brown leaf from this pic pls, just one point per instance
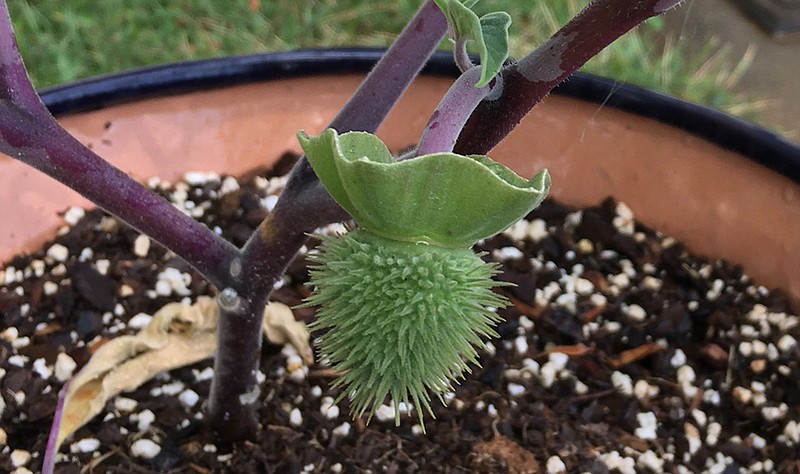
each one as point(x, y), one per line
point(178, 335)
point(281, 328)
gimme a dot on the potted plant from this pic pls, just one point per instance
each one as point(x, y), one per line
point(332, 161)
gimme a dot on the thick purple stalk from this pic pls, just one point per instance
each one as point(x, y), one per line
point(30, 134)
point(451, 114)
point(304, 206)
point(528, 81)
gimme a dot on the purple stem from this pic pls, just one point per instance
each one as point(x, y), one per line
point(461, 56)
point(451, 114)
point(304, 205)
point(30, 134)
point(50, 452)
point(528, 81)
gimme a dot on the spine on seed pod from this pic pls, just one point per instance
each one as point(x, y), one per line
point(404, 301)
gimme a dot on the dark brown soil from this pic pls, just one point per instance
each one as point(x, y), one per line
point(620, 353)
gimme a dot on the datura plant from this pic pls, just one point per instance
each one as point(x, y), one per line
point(404, 300)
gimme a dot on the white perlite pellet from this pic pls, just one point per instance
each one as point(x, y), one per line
point(203, 375)
point(229, 185)
point(384, 413)
point(643, 390)
point(50, 288)
point(615, 461)
point(172, 280)
point(145, 448)
point(41, 368)
point(791, 433)
point(622, 383)
point(19, 457)
point(125, 404)
point(10, 334)
point(635, 312)
point(516, 390)
point(508, 253)
point(650, 460)
point(73, 215)
point(774, 413)
point(171, 389)
point(199, 178)
point(58, 252)
point(328, 409)
point(141, 246)
point(686, 375)
point(17, 360)
point(648, 424)
point(189, 398)
point(139, 321)
point(712, 433)
point(700, 417)
point(678, 358)
point(342, 430)
point(692, 437)
point(85, 445)
point(64, 367)
point(555, 465)
point(742, 394)
point(521, 345)
point(295, 417)
point(787, 343)
point(143, 419)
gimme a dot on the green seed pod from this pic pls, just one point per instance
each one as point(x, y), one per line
point(404, 301)
point(401, 319)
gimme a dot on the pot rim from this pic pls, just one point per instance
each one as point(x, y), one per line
point(752, 141)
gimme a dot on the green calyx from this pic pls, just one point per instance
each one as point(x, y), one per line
point(442, 199)
point(400, 319)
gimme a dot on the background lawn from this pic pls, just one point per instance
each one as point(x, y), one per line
point(64, 41)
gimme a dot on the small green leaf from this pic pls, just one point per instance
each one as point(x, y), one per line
point(443, 199)
point(489, 34)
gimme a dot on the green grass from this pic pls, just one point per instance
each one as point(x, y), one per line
point(64, 41)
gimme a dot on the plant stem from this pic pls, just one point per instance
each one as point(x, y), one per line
point(528, 81)
point(30, 134)
point(461, 56)
point(304, 205)
point(451, 114)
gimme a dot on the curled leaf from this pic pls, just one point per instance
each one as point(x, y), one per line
point(488, 33)
point(177, 336)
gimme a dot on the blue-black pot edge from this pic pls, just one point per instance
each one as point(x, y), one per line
point(754, 142)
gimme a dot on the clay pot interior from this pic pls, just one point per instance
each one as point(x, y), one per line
point(718, 202)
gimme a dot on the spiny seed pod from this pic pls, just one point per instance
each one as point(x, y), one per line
point(404, 301)
point(402, 319)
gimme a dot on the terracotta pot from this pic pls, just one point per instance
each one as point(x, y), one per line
point(725, 188)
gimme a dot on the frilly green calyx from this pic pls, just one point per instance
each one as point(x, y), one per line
point(442, 199)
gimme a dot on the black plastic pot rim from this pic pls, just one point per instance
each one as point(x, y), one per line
point(749, 140)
